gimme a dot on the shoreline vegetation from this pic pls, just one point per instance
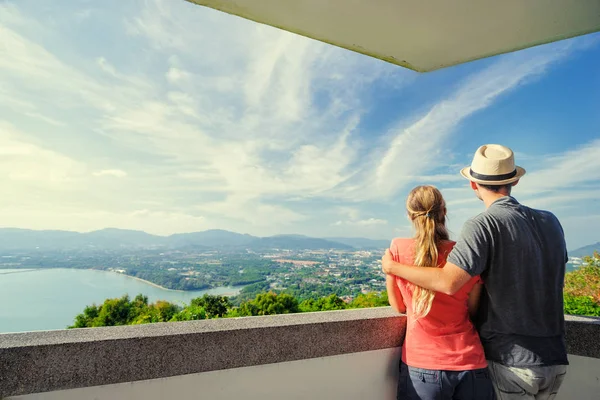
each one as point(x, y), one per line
point(144, 281)
point(172, 290)
point(126, 311)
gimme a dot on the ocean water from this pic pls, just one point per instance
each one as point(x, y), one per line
point(50, 299)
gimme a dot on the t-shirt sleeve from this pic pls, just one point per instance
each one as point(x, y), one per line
point(471, 251)
point(394, 250)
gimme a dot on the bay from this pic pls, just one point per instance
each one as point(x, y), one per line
point(48, 299)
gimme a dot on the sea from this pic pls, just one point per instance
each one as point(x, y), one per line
point(49, 299)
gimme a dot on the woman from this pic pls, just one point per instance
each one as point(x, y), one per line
point(442, 356)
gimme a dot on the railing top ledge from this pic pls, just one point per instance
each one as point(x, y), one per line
point(54, 337)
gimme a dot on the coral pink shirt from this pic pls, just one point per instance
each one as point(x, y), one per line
point(445, 339)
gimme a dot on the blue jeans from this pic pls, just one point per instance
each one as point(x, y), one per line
point(424, 384)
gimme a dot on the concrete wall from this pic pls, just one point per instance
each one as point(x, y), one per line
point(582, 381)
point(350, 354)
point(365, 375)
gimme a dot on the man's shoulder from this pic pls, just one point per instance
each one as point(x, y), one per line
point(480, 228)
point(544, 213)
point(479, 222)
point(544, 216)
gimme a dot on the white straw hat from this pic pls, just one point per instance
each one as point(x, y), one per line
point(493, 164)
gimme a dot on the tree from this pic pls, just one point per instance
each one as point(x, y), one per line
point(581, 305)
point(190, 313)
point(86, 319)
point(585, 281)
point(161, 311)
point(369, 300)
point(582, 288)
point(268, 304)
point(593, 260)
point(114, 312)
point(214, 306)
point(331, 302)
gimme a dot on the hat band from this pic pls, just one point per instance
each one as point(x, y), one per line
point(493, 177)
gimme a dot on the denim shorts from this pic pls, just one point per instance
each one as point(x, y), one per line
point(424, 384)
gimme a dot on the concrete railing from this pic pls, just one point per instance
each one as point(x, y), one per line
point(350, 354)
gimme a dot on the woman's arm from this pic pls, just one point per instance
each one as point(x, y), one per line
point(394, 296)
point(473, 301)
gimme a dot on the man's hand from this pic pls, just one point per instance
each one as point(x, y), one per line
point(387, 262)
point(448, 279)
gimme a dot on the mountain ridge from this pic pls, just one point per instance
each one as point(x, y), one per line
point(28, 239)
point(585, 250)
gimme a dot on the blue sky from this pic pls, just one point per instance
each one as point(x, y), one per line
point(168, 117)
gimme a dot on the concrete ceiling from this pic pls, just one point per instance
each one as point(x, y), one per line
point(423, 35)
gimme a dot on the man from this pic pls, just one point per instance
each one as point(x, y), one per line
point(520, 254)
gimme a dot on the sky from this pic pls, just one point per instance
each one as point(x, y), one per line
point(168, 117)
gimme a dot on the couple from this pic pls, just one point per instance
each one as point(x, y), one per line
point(505, 273)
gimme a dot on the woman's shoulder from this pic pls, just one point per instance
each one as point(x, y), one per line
point(402, 242)
point(444, 249)
point(402, 249)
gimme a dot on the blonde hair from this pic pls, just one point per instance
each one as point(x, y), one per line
point(427, 211)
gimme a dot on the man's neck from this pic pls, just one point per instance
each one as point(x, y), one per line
point(490, 197)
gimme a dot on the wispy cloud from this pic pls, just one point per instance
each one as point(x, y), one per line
point(570, 169)
point(420, 147)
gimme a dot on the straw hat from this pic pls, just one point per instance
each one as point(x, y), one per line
point(493, 164)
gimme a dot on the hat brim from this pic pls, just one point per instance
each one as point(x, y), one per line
point(466, 173)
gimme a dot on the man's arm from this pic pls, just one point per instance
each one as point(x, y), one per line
point(448, 279)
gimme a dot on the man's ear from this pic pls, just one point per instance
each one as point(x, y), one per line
point(474, 185)
point(515, 183)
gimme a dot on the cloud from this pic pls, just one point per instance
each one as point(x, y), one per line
point(117, 173)
point(106, 66)
point(176, 75)
point(371, 221)
point(22, 161)
point(570, 169)
point(353, 218)
point(419, 147)
point(362, 222)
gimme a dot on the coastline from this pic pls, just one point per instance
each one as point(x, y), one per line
point(152, 283)
point(164, 288)
point(17, 270)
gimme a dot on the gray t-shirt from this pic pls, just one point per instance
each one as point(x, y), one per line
point(521, 255)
